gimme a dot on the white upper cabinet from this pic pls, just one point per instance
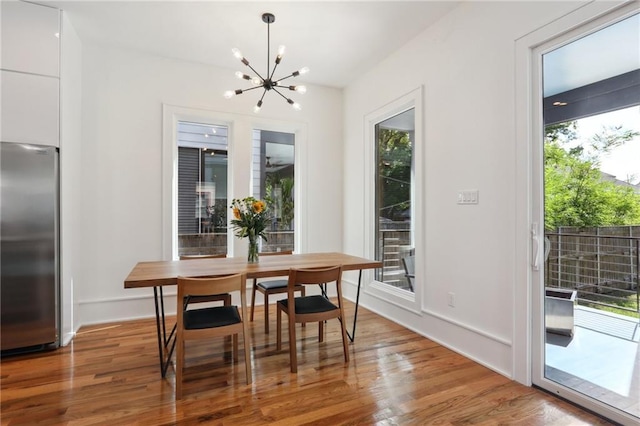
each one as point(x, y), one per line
point(30, 38)
point(30, 77)
point(30, 108)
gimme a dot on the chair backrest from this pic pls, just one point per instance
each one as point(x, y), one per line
point(315, 276)
point(213, 321)
point(202, 256)
point(211, 285)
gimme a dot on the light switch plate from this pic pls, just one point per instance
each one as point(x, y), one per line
point(469, 196)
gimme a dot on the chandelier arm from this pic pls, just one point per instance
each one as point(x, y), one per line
point(263, 93)
point(257, 73)
point(273, 72)
point(250, 88)
point(278, 92)
point(284, 78)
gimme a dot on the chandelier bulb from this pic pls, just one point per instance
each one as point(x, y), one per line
point(257, 81)
point(281, 50)
point(239, 56)
point(256, 108)
point(231, 93)
point(300, 72)
point(295, 105)
point(300, 89)
point(242, 75)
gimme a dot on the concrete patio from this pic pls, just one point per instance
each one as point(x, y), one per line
point(601, 360)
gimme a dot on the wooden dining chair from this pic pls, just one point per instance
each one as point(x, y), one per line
point(225, 297)
point(310, 308)
point(270, 287)
point(211, 322)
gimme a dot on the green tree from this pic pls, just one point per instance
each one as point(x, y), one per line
point(575, 193)
point(394, 168)
point(285, 205)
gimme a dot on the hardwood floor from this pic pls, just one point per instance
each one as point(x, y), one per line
point(110, 375)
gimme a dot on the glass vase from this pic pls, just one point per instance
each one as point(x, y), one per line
point(252, 256)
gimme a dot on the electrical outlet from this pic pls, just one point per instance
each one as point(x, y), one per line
point(452, 299)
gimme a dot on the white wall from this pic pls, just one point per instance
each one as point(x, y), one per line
point(70, 175)
point(121, 217)
point(465, 63)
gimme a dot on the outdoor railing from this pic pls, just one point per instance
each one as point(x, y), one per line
point(216, 242)
point(394, 244)
point(602, 268)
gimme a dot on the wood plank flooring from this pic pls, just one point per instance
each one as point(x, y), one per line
point(110, 375)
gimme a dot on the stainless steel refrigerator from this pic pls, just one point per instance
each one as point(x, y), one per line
point(29, 259)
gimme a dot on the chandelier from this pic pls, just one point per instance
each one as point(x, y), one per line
point(267, 82)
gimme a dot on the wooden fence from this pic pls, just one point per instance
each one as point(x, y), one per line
point(601, 263)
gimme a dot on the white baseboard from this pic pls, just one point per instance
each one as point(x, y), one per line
point(102, 311)
point(491, 351)
point(67, 338)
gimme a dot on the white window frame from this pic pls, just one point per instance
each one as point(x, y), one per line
point(239, 152)
point(396, 296)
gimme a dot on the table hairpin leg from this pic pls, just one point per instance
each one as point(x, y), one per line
point(352, 335)
point(160, 343)
point(323, 289)
point(163, 340)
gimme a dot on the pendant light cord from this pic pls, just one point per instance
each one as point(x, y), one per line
point(268, 50)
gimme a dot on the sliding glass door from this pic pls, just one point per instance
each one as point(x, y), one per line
point(586, 280)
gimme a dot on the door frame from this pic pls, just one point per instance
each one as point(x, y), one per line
point(528, 337)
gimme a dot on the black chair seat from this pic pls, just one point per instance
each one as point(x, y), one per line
point(273, 284)
point(217, 316)
point(310, 304)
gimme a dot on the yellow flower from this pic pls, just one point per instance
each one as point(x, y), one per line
point(258, 206)
point(236, 213)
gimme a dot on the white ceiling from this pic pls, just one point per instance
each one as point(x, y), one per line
point(337, 40)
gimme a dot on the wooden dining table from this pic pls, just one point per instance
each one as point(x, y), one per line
point(158, 274)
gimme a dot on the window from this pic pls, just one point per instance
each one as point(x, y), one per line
point(187, 227)
point(202, 189)
point(273, 181)
point(394, 199)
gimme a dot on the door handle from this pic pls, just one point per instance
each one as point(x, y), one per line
point(535, 247)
